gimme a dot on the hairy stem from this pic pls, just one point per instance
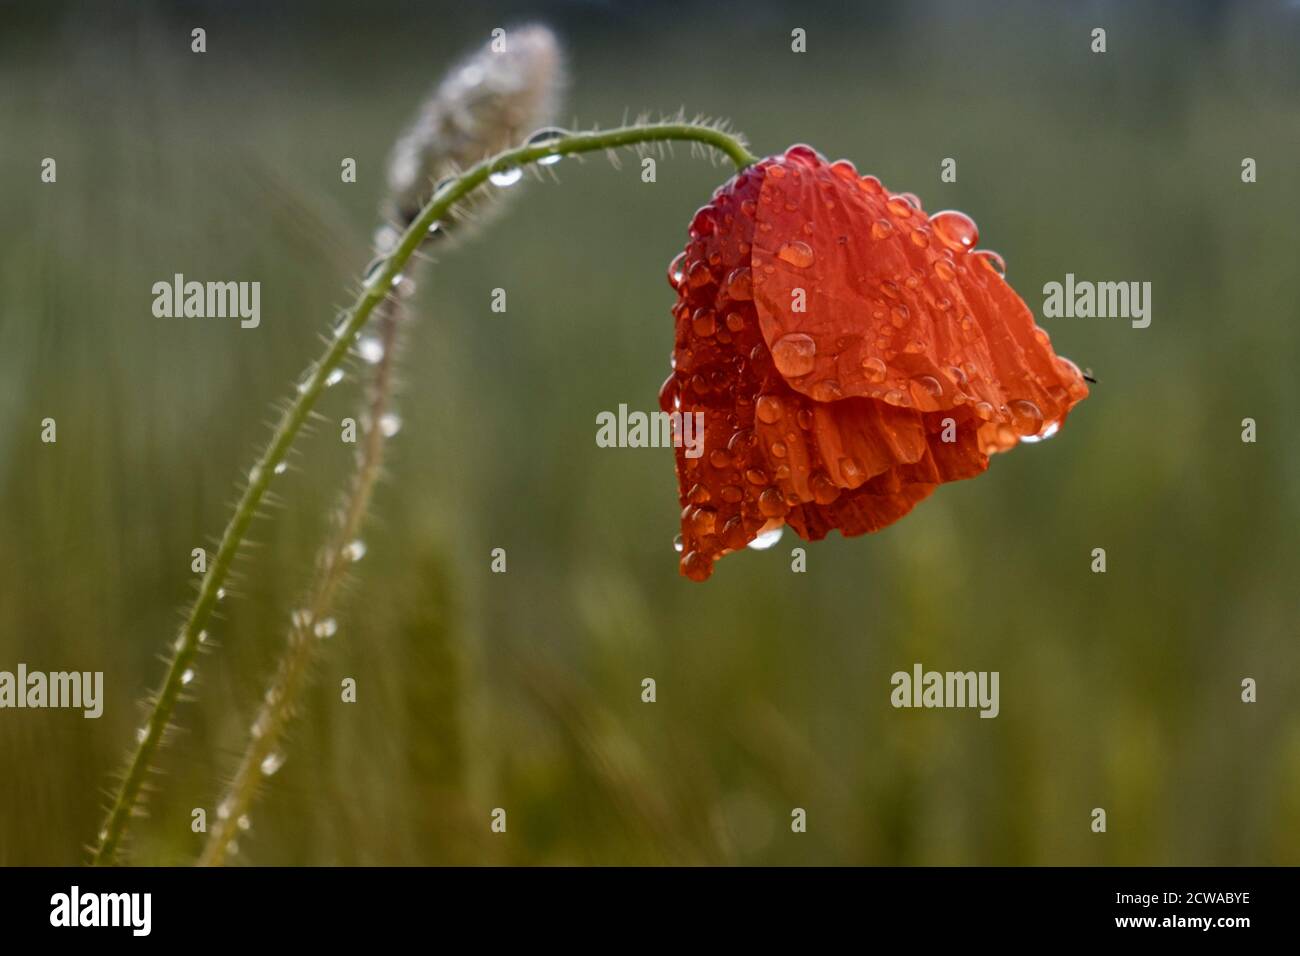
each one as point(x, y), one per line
point(286, 686)
point(376, 290)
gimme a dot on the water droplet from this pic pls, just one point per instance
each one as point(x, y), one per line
point(768, 537)
point(827, 390)
point(698, 275)
point(741, 441)
point(281, 467)
point(304, 382)
point(300, 617)
point(930, 385)
point(696, 566)
point(243, 822)
point(678, 544)
point(845, 170)
point(900, 207)
point(373, 271)
point(355, 550)
point(326, 627)
point(944, 270)
point(188, 676)
point(334, 377)
point(396, 281)
point(798, 254)
point(956, 230)
point(341, 324)
point(874, 368)
point(993, 262)
point(794, 354)
point(270, 764)
point(1026, 417)
point(705, 323)
point(703, 223)
point(675, 270)
point(221, 594)
point(545, 137)
point(824, 490)
point(702, 521)
point(1048, 431)
point(882, 229)
point(803, 154)
point(370, 349)
point(435, 228)
point(386, 239)
point(141, 734)
point(1068, 368)
point(506, 177)
point(223, 810)
point(740, 284)
point(920, 238)
point(772, 504)
point(768, 409)
point(390, 423)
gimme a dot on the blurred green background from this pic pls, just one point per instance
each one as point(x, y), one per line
point(522, 690)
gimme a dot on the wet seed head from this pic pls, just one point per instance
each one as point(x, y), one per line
point(489, 102)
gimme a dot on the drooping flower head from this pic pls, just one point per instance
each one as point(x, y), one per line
point(849, 354)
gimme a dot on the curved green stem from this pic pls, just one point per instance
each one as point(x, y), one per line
point(376, 289)
point(286, 687)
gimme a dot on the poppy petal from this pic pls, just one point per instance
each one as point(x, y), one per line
point(845, 354)
point(859, 293)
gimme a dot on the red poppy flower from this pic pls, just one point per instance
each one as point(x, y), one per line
point(849, 354)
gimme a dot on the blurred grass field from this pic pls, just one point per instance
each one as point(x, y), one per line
point(522, 690)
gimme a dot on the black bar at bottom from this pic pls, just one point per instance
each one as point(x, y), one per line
point(332, 906)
